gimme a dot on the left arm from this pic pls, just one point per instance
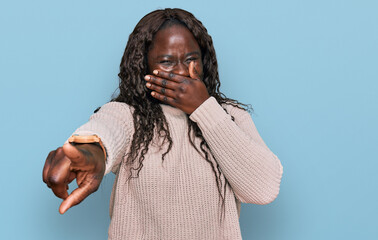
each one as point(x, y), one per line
point(252, 170)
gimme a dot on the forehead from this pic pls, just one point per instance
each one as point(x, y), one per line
point(174, 38)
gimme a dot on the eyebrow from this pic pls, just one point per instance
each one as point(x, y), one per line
point(188, 54)
point(192, 53)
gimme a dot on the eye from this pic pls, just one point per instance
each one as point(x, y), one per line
point(166, 62)
point(191, 59)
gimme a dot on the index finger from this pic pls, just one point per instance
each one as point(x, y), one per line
point(58, 177)
point(76, 197)
point(79, 194)
point(170, 76)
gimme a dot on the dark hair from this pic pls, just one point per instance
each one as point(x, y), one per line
point(148, 114)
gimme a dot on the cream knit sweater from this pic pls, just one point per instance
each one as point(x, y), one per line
point(178, 198)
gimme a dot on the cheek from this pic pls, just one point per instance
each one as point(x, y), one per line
point(151, 67)
point(162, 67)
point(150, 63)
point(156, 66)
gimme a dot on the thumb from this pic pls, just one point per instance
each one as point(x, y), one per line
point(193, 73)
point(74, 154)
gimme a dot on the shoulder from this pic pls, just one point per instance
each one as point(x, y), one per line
point(115, 109)
point(237, 111)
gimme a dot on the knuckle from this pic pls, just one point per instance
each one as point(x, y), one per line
point(171, 75)
point(59, 153)
point(53, 180)
point(182, 88)
point(44, 178)
point(180, 96)
point(95, 188)
point(51, 154)
point(185, 81)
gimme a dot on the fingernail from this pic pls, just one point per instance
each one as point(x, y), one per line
point(153, 93)
point(148, 84)
point(147, 78)
point(155, 72)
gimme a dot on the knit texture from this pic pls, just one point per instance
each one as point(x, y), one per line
point(178, 198)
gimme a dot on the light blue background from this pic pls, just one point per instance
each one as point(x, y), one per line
point(309, 68)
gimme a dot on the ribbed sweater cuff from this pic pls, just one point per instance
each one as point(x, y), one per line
point(107, 145)
point(209, 113)
point(113, 130)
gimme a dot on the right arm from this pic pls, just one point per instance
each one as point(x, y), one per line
point(86, 162)
point(114, 125)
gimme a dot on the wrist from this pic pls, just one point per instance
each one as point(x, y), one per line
point(88, 139)
point(93, 153)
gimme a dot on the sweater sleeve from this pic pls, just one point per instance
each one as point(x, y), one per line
point(252, 170)
point(114, 125)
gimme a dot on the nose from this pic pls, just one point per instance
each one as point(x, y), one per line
point(181, 69)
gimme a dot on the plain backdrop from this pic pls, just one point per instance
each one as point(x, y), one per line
point(309, 69)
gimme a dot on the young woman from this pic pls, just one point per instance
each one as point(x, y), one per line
point(185, 156)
